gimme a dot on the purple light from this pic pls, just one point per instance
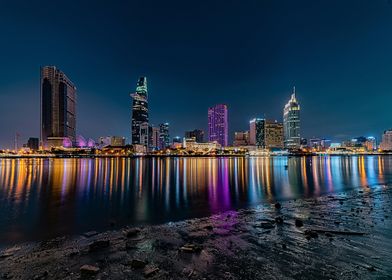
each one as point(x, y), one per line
point(67, 143)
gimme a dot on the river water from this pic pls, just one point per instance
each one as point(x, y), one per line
point(45, 198)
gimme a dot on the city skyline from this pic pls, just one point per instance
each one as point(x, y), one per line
point(249, 63)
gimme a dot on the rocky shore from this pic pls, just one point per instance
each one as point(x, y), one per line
point(342, 236)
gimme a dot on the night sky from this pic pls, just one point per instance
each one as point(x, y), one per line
point(247, 54)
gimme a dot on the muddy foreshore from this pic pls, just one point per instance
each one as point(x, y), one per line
point(342, 236)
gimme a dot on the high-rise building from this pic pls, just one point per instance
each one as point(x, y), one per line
point(58, 108)
point(140, 126)
point(218, 124)
point(371, 144)
point(291, 123)
point(257, 132)
point(386, 143)
point(155, 138)
point(241, 138)
point(164, 136)
point(273, 135)
point(198, 134)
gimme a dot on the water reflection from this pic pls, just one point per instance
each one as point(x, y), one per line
point(41, 198)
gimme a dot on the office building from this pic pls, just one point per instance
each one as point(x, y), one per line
point(155, 138)
point(386, 143)
point(291, 123)
point(164, 136)
point(241, 138)
point(198, 134)
point(274, 135)
point(218, 124)
point(257, 132)
point(140, 126)
point(58, 108)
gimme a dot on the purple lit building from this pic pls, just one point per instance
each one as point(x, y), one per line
point(217, 124)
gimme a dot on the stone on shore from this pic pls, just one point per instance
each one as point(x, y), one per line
point(88, 270)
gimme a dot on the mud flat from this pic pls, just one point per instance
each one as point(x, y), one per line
point(343, 236)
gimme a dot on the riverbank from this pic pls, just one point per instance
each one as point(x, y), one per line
point(342, 236)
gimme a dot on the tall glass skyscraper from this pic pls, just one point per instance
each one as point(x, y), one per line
point(257, 132)
point(164, 136)
point(58, 108)
point(140, 127)
point(291, 123)
point(218, 124)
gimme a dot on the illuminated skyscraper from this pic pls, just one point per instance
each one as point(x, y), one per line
point(58, 108)
point(291, 123)
point(140, 127)
point(218, 124)
point(164, 136)
point(257, 132)
point(273, 134)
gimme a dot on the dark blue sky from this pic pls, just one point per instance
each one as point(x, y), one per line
point(247, 54)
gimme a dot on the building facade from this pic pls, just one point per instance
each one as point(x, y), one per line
point(257, 132)
point(291, 123)
point(164, 136)
point(241, 138)
point(218, 124)
point(386, 143)
point(114, 141)
point(274, 135)
point(198, 134)
point(58, 108)
point(140, 126)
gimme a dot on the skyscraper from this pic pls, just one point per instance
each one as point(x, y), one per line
point(140, 127)
point(155, 138)
point(257, 132)
point(58, 108)
point(164, 136)
point(218, 124)
point(273, 134)
point(291, 123)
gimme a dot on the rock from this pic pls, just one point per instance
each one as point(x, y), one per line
point(7, 276)
point(278, 206)
point(191, 248)
point(279, 220)
point(311, 234)
point(299, 223)
point(148, 272)
point(130, 245)
point(137, 264)
point(40, 276)
point(133, 232)
point(209, 227)
point(90, 234)
point(88, 270)
point(267, 225)
point(98, 245)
